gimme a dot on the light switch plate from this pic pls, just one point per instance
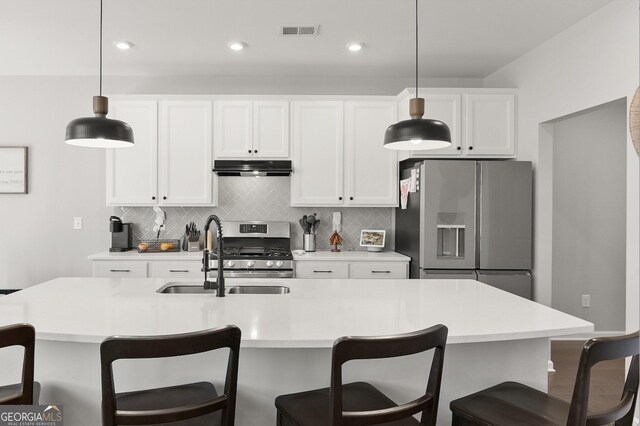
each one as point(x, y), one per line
point(77, 222)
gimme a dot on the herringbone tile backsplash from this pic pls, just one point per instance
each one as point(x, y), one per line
point(266, 199)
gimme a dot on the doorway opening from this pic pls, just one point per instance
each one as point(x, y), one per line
point(587, 155)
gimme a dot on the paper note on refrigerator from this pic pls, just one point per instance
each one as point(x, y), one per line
point(404, 192)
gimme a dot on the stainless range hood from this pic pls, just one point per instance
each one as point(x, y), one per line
point(252, 168)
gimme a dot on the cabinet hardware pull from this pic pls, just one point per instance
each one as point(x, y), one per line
point(470, 148)
point(153, 198)
point(178, 270)
point(120, 270)
point(249, 151)
point(255, 151)
point(340, 198)
point(164, 198)
point(326, 272)
point(459, 148)
point(351, 198)
point(380, 272)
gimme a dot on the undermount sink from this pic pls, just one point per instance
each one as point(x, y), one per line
point(255, 289)
point(175, 288)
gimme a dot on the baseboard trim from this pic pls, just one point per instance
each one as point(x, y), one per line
point(636, 421)
point(587, 336)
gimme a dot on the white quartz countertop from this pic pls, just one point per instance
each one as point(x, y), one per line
point(350, 256)
point(134, 255)
point(347, 256)
point(312, 315)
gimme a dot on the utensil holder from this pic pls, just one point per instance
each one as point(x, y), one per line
point(309, 242)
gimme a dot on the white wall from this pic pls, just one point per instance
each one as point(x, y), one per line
point(589, 212)
point(37, 242)
point(591, 63)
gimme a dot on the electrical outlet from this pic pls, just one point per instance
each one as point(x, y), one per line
point(77, 223)
point(586, 300)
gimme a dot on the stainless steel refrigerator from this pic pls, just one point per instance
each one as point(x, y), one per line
point(469, 219)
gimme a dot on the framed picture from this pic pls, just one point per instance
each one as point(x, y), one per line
point(13, 169)
point(372, 239)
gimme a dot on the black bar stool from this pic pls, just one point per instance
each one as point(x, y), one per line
point(183, 403)
point(513, 403)
point(27, 391)
point(361, 403)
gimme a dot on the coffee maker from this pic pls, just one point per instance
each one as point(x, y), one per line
point(120, 235)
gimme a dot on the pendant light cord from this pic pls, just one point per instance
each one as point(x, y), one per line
point(416, 48)
point(100, 47)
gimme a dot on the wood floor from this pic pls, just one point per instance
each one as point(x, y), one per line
point(607, 377)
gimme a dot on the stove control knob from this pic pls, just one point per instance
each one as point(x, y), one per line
point(251, 263)
point(269, 263)
point(231, 263)
point(279, 264)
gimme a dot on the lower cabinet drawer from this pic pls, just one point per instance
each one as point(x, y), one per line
point(376, 270)
point(135, 269)
point(322, 270)
point(164, 269)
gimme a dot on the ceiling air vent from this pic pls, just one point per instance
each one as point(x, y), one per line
point(299, 30)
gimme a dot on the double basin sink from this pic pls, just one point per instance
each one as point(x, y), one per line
point(198, 288)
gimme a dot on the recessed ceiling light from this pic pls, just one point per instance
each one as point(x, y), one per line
point(355, 46)
point(123, 44)
point(237, 45)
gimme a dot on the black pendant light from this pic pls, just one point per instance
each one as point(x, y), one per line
point(417, 133)
point(99, 131)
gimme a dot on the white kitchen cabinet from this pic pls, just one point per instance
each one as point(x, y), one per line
point(150, 269)
point(132, 172)
point(321, 269)
point(185, 156)
point(351, 269)
point(490, 124)
point(446, 107)
point(482, 121)
point(370, 170)
point(181, 269)
point(318, 153)
point(379, 270)
point(248, 129)
point(339, 157)
point(171, 160)
point(120, 269)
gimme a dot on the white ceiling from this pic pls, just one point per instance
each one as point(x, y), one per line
point(458, 38)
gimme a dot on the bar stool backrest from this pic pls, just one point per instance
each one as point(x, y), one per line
point(21, 335)
point(132, 347)
point(594, 351)
point(353, 348)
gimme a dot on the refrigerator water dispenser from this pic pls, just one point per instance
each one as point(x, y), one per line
point(451, 241)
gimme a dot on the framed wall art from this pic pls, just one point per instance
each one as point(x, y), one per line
point(13, 169)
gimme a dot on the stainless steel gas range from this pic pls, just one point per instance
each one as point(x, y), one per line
point(256, 250)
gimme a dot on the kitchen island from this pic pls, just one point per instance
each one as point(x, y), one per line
point(286, 339)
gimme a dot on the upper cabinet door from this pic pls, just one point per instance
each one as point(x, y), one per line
point(233, 130)
point(490, 124)
point(185, 153)
point(271, 129)
point(446, 108)
point(371, 170)
point(317, 178)
point(132, 172)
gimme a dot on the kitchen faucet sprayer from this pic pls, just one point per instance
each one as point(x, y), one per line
point(219, 284)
